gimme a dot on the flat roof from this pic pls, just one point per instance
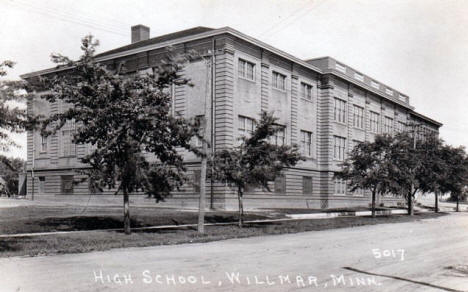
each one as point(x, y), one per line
point(204, 32)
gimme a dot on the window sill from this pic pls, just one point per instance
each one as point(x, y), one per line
point(67, 156)
point(340, 123)
point(358, 128)
point(247, 79)
point(278, 89)
point(307, 100)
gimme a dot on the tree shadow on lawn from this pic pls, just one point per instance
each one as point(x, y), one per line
point(78, 223)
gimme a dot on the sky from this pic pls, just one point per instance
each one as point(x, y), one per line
point(419, 47)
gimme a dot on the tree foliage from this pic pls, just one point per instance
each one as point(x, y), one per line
point(256, 161)
point(9, 171)
point(368, 166)
point(13, 117)
point(126, 119)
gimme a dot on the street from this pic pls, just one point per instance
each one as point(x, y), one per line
point(429, 255)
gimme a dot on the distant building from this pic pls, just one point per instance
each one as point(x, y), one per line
point(323, 105)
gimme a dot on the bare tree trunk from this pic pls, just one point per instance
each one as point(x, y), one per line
point(436, 205)
point(202, 201)
point(241, 207)
point(126, 213)
point(458, 203)
point(373, 203)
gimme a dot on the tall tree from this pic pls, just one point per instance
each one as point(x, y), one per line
point(9, 171)
point(127, 121)
point(13, 117)
point(433, 168)
point(255, 162)
point(367, 167)
point(455, 179)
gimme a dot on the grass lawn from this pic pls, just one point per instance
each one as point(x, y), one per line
point(32, 219)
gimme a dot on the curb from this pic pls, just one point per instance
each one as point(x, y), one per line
point(345, 214)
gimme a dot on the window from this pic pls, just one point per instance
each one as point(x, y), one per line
point(388, 91)
point(198, 141)
point(354, 143)
point(279, 81)
point(246, 126)
point(306, 91)
point(279, 137)
point(374, 122)
point(340, 186)
point(388, 125)
point(358, 192)
point(401, 127)
point(358, 76)
point(280, 184)
point(43, 143)
point(306, 143)
point(307, 185)
point(246, 69)
point(374, 84)
point(358, 117)
point(68, 148)
point(339, 147)
point(340, 67)
point(67, 184)
point(196, 181)
point(339, 110)
point(42, 184)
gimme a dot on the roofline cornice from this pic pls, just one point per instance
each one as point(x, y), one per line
point(233, 32)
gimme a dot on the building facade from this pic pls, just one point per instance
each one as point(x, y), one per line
point(323, 105)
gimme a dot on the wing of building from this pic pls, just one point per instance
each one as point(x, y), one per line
point(323, 105)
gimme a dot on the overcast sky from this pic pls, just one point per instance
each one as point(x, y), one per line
point(419, 47)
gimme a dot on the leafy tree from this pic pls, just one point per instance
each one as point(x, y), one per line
point(13, 119)
point(455, 179)
point(255, 162)
point(407, 171)
point(9, 171)
point(127, 121)
point(433, 170)
point(367, 167)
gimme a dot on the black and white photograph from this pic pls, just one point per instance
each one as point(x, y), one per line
point(233, 145)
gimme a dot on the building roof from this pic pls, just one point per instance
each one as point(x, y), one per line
point(423, 117)
point(200, 32)
point(159, 39)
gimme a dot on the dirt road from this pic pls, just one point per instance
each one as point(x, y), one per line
point(429, 255)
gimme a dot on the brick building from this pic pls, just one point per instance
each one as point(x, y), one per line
point(323, 105)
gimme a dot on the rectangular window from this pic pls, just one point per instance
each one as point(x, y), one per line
point(374, 122)
point(280, 184)
point(374, 84)
point(340, 67)
point(306, 143)
point(307, 185)
point(279, 138)
point(388, 91)
point(339, 144)
point(67, 184)
point(388, 125)
point(42, 184)
point(354, 143)
point(246, 126)
point(306, 91)
point(279, 81)
point(246, 69)
point(339, 110)
point(358, 76)
point(358, 117)
point(68, 147)
point(340, 186)
point(198, 141)
point(358, 192)
point(44, 143)
point(401, 127)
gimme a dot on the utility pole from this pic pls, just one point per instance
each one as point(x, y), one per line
point(206, 137)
